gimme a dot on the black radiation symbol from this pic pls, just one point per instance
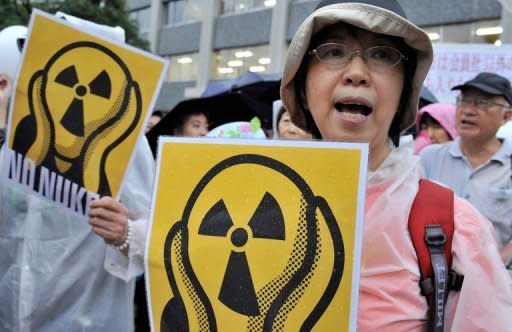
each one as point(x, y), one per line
point(267, 222)
point(73, 119)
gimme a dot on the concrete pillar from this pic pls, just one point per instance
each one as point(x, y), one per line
point(155, 22)
point(210, 10)
point(278, 47)
point(506, 24)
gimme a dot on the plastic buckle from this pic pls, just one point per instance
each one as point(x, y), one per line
point(455, 280)
point(434, 236)
point(427, 287)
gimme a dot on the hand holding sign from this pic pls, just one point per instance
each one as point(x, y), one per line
point(109, 219)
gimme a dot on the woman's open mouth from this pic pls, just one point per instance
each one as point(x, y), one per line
point(353, 112)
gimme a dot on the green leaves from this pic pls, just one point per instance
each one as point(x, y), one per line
point(112, 12)
point(12, 13)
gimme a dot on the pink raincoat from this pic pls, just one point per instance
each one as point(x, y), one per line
point(444, 114)
point(390, 298)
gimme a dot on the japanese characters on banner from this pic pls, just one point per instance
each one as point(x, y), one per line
point(79, 108)
point(247, 236)
point(456, 63)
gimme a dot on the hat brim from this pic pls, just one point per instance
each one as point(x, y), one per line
point(367, 17)
point(480, 86)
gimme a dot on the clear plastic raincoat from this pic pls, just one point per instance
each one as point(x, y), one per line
point(390, 298)
point(56, 274)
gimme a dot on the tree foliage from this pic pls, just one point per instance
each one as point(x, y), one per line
point(108, 12)
point(13, 13)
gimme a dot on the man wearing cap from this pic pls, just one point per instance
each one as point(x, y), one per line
point(477, 164)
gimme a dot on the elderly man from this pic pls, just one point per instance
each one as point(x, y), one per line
point(477, 165)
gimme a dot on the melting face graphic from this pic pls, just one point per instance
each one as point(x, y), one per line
point(81, 91)
point(82, 104)
point(83, 96)
point(253, 231)
point(252, 224)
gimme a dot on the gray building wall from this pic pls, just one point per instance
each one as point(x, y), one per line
point(171, 94)
point(179, 39)
point(136, 4)
point(298, 12)
point(253, 28)
point(436, 12)
point(242, 30)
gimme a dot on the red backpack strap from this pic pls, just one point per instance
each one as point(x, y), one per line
point(431, 226)
point(433, 205)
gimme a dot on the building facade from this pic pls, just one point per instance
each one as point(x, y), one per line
point(207, 40)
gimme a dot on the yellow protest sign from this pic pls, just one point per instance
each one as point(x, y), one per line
point(255, 235)
point(79, 107)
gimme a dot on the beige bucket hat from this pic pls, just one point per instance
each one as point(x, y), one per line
point(367, 17)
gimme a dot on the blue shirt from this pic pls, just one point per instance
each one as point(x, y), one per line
point(488, 187)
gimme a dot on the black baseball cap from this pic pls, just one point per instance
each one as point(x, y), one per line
point(490, 83)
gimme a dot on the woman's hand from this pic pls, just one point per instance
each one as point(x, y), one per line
point(109, 219)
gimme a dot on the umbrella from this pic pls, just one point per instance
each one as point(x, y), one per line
point(241, 99)
point(426, 97)
point(243, 81)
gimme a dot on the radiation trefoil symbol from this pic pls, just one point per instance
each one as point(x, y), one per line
point(82, 105)
point(73, 119)
point(267, 222)
point(289, 226)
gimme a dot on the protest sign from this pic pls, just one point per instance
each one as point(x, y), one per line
point(255, 235)
point(79, 107)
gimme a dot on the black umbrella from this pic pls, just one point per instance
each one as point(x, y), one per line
point(241, 99)
point(427, 97)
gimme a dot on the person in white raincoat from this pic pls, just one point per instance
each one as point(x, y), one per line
point(353, 72)
point(11, 39)
point(62, 272)
point(58, 275)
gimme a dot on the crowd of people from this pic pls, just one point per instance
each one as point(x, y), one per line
point(354, 72)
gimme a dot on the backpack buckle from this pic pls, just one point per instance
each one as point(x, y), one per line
point(434, 236)
point(455, 280)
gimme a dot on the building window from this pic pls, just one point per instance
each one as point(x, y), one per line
point(183, 11)
point(142, 17)
point(240, 6)
point(486, 32)
point(184, 67)
point(230, 63)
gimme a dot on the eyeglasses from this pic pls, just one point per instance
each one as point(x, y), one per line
point(336, 54)
point(479, 102)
